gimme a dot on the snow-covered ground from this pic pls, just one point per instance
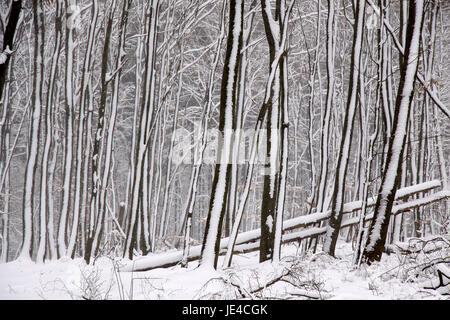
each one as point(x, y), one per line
point(311, 276)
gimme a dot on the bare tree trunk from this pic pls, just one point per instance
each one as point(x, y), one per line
point(96, 203)
point(5, 125)
point(284, 149)
point(370, 153)
point(32, 161)
point(169, 173)
point(200, 149)
point(337, 200)
point(81, 132)
point(5, 155)
point(68, 143)
point(391, 175)
point(284, 131)
point(134, 136)
point(144, 131)
point(271, 102)
point(9, 33)
point(227, 124)
point(324, 141)
point(275, 101)
point(45, 196)
point(233, 203)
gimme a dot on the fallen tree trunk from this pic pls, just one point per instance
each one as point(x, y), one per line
point(248, 241)
point(316, 231)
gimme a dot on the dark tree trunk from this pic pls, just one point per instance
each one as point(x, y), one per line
point(8, 40)
point(392, 169)
point(95, 230)
point(337, 200)
point(270, 188)
point(227, 124)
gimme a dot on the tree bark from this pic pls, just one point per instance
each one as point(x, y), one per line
point(8, 41)
point(227, 124)
point(33, 143)
point(392, 169)
point(337, 200)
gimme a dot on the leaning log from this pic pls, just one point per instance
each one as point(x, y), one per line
point(249, 241)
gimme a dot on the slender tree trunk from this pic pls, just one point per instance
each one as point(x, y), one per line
point(33, 152)
point(324, 141)
point(45, 196)
point(81, 141)
point(6, 153)
point(246, 190)
point(227, 124)
point(97, 205)
point(9, 33)
point(284, 131)
point(145, 128)
point(337, 200)
point(237, 147)
point(199, 151)
point(53, 252)
point(275, 101)
point(68, 142)
point(270, 188)
point(391, 175)
point(284, 148)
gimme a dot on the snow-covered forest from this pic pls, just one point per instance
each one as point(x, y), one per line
point(237, 149)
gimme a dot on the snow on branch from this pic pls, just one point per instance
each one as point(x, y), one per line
point(5, 54)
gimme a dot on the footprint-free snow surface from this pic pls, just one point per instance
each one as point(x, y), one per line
point(297, 276)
